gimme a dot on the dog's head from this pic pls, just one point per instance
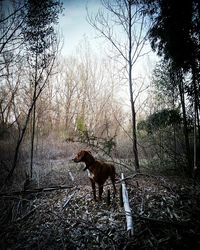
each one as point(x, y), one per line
point(81, 156)
point(84, 156)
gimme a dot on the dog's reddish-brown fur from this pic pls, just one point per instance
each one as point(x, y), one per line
point(99, 171)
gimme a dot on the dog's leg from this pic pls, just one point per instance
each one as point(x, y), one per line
point(100, 191)
point(112, 177)
point(93, 189)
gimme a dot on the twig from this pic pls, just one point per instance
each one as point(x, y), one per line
point(166, 222)
point(68, 200)
point(142, 206)
point(138, 174)
point(71, 176)
point(26, 215)
point(92, 227)
point(37, 190)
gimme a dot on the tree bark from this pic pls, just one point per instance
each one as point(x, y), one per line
point(21, 136)
point(134, 135)
point(196, 123)
point(185, 124)
point(32, 139)
point(34, 113)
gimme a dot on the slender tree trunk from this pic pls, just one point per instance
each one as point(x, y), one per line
point(195, 103)
point(34, 112)
point(135, 150)
point(174, 126)
point(134, 135)
point(198, 122)
point(128, 21)
point(21, 136)
point(32, 139)
point(185, 124)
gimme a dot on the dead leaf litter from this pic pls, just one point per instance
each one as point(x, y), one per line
point(166, 215)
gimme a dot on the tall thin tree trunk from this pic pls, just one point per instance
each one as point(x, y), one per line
point(32, 139)
point(195, 103)
point(34, 113)
point(134, 135)
point(19, 141)
point(21, 136)
point(174, 126)
point(185, 123)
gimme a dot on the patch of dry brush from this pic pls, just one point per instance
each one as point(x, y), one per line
point(166, 216)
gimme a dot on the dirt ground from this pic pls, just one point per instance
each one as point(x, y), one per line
point(165, 212)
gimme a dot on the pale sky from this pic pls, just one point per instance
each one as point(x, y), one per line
point(74, 25)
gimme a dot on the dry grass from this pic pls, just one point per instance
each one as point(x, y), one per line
point(165, 214)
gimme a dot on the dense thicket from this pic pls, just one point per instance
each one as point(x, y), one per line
point(175, 35)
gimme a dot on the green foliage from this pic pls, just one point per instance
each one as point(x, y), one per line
point(166, 86)
point(109, 144)
point(81, 126)
point(142, 125)
point(161, 119)
point(40, 19)
point(174, 32)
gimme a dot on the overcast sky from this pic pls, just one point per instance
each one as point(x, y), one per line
point(74, 25)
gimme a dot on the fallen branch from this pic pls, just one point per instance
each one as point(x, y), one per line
point(68, 200)
point(36, 190)
point(185, 223)
point(138, 174)
point(26, 215)
point(129, 220)
point(71, 176)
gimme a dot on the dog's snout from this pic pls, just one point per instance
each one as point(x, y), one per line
point(74, 159)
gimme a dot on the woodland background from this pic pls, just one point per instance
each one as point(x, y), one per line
point(51, 106)
point(48, 101)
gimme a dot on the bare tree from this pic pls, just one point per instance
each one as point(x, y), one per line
point(40, 50)
point(42, 40)
point(123, 25)
point(84, 96)
point(11, 42)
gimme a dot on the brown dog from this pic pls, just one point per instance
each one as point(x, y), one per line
point(98, 171)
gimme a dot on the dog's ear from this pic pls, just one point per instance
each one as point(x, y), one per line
point(85, 152)
point(81, 153)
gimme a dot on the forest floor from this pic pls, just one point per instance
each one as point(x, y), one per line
point(165, 211)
